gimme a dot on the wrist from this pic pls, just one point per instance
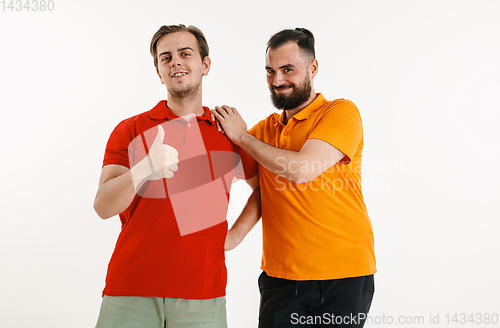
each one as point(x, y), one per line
point(242, 139)
point(238, 233)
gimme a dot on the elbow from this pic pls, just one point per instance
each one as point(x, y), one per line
point(303, 177)
point(100, 211)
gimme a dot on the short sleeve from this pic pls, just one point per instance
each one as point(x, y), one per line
point(260, 129)
point(253, 130)
point(341, 127)
point(117, 148)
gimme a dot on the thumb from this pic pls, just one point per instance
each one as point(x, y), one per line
point(160, 136)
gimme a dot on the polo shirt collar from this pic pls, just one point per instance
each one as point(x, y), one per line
point(305, 112)
point(161, 112)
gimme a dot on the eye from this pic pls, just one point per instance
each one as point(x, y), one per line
point(185, 54)
point(270, 71)
point(287, 70)
point(166, 58)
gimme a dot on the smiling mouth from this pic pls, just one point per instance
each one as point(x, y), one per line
point(179, 74)
point(283, 87)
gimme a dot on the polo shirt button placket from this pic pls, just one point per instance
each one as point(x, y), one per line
point(284, 143)
point(189, 138)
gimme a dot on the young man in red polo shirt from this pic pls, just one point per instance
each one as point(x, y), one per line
point(167, 172)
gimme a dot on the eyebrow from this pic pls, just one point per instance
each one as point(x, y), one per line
point(284, 66)
point(178, 50)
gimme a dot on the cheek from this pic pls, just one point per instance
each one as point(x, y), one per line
point(163, 73)
point(295, 80)
point(161, 77)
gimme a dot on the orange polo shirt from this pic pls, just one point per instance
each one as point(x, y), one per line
point(317, 230)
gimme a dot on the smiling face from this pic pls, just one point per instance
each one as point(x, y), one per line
point(289, 76)
point(180, 65)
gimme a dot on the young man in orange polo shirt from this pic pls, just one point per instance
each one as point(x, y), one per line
point(167, 172)
point(318, 253)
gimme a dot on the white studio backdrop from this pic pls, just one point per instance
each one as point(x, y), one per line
point(424, 74)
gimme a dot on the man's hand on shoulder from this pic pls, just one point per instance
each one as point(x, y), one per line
point(231, 122)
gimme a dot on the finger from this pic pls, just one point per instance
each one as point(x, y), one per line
point(172, 159)
point(227, 109)
point(160, 136)
point(219, 127)
point(219, 113)
point(172, 151)
point(217, 123)
point(173, 167)
point(168, 174)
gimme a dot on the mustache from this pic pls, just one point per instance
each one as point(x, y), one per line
point(284, 86)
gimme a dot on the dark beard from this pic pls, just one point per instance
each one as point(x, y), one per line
point(185, 94)
point(298, 97)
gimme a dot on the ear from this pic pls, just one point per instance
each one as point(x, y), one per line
point(206, 65)
point(313, 68)
point(161, 79)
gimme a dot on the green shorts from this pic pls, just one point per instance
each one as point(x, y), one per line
point(161, 312)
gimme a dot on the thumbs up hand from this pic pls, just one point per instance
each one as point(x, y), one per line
point(160, 163)
point(162, 159)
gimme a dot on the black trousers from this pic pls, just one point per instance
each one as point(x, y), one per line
point(314, 303)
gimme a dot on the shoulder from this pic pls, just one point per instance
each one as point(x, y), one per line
point(265, 124)
point(341, 108)
point(270, 120)
point(340, 104)
point(134, 125)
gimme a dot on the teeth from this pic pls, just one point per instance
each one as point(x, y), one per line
point(178, 74)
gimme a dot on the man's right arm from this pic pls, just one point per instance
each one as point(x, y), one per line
point(118, 185)
point(116, 191)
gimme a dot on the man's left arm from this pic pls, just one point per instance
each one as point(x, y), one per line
point(299, 166)
point(248, 217)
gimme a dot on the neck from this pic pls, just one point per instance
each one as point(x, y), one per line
point(290, 112)
point(186, 106)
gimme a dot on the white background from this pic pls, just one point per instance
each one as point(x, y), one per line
point(424, 74)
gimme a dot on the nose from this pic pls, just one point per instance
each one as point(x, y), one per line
point(278, 79)
point(175, 61)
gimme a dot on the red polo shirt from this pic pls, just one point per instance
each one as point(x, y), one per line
point(172, 239)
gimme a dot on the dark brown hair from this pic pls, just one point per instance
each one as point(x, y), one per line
point(303, 37)
point(166, 29)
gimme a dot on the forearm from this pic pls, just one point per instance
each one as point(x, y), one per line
point(249, 216)
point(115, 195)
point(282, 162)
point(118, 185)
